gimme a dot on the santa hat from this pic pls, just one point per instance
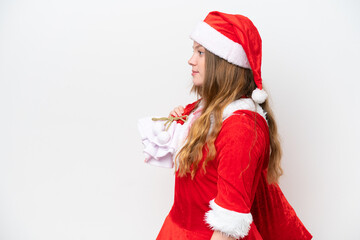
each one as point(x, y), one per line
point(235, 39)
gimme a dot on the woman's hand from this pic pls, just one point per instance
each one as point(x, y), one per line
point(177, 112)
point(219, 236)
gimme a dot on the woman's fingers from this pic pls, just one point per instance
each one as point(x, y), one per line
point(172, 113)
point(178, 111)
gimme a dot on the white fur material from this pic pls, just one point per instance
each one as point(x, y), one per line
point(259, 96)
point(231, 223)
point(161, 147)
point(243, 104)
point(220, 45)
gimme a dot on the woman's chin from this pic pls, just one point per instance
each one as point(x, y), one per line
point(197, 83)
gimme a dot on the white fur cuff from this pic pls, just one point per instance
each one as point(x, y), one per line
point(231, 223)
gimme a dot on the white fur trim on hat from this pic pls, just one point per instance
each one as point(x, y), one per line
point(259, 96)
point(220, 45)
point(231, 223)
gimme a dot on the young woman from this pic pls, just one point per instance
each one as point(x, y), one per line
point(225, 145)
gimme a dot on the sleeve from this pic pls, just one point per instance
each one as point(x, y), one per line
point(240, 152)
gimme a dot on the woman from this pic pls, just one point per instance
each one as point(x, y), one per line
point(225, 145)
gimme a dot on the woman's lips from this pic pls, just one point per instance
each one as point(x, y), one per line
point(194, 72)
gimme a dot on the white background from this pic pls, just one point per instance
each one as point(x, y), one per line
point(76, 75)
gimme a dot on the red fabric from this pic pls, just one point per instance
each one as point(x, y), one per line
point(241, 30)
point(274, 216)
point(237, 181)
point(188, 109)
point(242, 153)
point(172, 231)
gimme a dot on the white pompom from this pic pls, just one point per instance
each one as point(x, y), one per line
point(259, 96)
point(163, 137)
point(158, 127)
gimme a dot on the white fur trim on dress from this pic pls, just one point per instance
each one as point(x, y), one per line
point(231, 223)
point(243, 104)
point(220, 45)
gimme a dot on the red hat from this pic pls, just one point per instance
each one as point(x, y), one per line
point(235, 39)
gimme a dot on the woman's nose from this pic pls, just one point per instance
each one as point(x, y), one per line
point(191, 61)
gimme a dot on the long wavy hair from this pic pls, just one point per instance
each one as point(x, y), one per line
point(223, 83)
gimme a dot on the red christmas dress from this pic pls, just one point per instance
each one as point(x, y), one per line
point(233, 195)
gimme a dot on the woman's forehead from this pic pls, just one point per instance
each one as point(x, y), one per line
point(197, 45)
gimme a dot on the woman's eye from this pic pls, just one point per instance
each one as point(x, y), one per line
point(201, 53)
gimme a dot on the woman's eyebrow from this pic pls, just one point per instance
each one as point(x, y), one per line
point(198, 46)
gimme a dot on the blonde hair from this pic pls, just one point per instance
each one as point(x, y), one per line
point(223, 83)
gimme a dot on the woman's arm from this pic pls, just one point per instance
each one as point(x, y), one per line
point(220, 236)
point(241, 153)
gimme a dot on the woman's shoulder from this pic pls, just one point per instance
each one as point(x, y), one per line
point(243, 131)
point(245, 117)
point(244, 122)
